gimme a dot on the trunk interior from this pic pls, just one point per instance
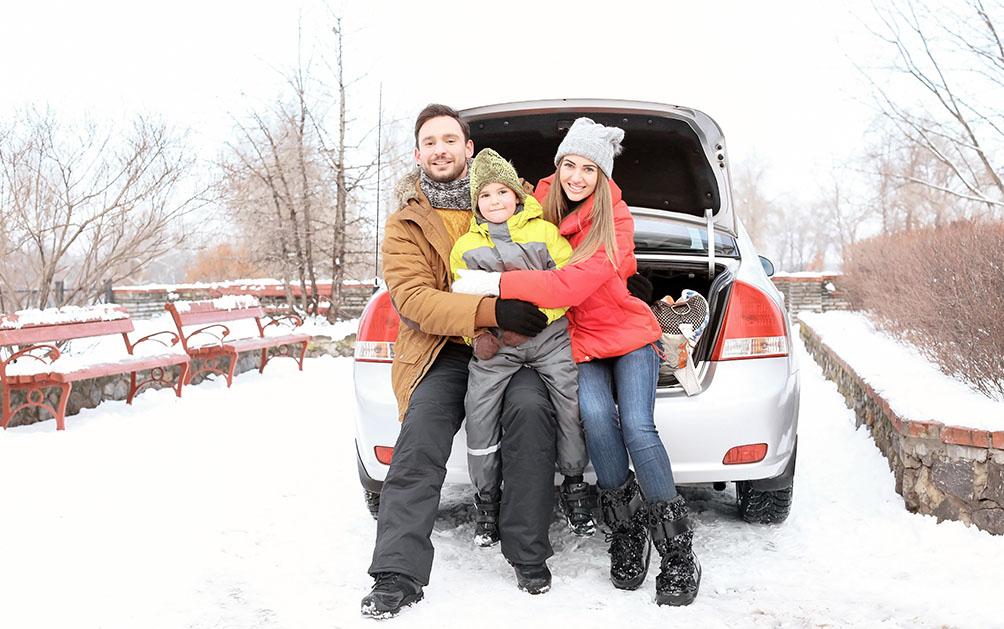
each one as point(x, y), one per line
point(670, 278)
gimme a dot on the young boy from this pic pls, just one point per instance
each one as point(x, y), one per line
point(507, 232)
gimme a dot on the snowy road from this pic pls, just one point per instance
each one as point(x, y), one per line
point(233, 509)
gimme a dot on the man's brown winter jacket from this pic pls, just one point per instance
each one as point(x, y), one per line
point(416, 267)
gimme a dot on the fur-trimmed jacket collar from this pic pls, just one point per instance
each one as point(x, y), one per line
point(407, 189)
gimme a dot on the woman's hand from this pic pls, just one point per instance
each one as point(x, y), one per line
point(474, 282)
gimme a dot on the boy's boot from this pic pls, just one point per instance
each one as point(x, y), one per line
point(577, 502)
point(532, 578)
point(486, 519)
point(391, 592)
point(629, 544)
point(680, 571)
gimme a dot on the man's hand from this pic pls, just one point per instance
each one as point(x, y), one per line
point(474, 282)
point(519, 316)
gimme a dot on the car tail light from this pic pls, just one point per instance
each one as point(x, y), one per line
point(384, 454)
point(751, 453)
point(377, 331)
point(754, 326)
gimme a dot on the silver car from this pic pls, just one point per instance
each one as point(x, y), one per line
point(742, 425)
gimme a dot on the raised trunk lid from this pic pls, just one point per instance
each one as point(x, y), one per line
point(674, 158)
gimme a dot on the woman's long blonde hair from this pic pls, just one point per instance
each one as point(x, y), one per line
point(601, 233)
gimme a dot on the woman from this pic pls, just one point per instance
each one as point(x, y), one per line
point(613, 336)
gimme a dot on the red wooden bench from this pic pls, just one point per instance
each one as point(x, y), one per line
point(33, 363)
point(212, 341)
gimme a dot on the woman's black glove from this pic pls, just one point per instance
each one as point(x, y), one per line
point(640, 287)
point(519, 316)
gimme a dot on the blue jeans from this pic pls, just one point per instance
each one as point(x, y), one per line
point(634, 376)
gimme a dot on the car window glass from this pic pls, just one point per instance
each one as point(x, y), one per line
point(658, 236)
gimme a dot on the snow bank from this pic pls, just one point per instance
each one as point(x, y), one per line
point(913, 386)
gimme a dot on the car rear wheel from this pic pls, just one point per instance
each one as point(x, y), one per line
point(372, 502)
point(763, 506)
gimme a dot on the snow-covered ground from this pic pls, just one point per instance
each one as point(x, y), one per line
point(242, 508)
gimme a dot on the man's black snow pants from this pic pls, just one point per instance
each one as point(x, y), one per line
point(409, 500)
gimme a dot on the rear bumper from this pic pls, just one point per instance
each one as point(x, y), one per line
point(742, 402)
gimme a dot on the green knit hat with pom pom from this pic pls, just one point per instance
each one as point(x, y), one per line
point(490, 167)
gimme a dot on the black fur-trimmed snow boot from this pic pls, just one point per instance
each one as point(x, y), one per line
point(577, 502)
point(672, 533)
point(628, 537)
point(486, 519)
point(391, 592)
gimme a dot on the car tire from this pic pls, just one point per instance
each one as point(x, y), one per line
point(763, 506)
point(372, 499)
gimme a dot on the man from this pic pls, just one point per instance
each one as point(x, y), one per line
point(429, 376)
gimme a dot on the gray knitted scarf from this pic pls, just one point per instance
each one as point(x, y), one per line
point(449, 195)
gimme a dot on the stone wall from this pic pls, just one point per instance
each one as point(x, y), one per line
point(816, 292)
point(90, 393)
point(950, 472)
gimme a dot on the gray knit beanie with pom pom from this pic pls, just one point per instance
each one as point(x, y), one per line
point(592, 141)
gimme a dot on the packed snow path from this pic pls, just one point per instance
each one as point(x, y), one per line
point(239, 509)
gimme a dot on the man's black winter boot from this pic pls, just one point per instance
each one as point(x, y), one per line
point(672, 533)
point(532, 578)
point(486, 519)
point(628, 537)
point(577, 501)
point(390, 593)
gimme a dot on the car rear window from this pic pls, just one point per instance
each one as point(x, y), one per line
point(664, 236)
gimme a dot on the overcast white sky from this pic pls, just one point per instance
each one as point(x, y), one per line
point(775, 75)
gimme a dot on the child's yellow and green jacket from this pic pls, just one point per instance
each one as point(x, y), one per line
point(526, 242)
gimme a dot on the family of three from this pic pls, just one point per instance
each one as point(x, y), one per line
point(516, 314)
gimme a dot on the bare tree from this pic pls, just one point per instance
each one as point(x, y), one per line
point(261, 187)
point(338, 165)
point(896, 167)
point(842, 218)
point(358, 177)
point(954, 55)
point(87, 205)
point(759, 214)
point(788, 232)
point(801, 239)
point(297, 186)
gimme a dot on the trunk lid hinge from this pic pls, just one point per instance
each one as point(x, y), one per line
point(711, 242)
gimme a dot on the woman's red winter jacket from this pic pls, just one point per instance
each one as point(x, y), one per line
point(604, 319)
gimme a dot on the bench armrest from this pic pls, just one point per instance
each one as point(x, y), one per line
point(49, 356)
point(172, 337)
point(291, 320)
point(209, 331)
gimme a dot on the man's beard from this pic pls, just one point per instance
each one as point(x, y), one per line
point(452, 175)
